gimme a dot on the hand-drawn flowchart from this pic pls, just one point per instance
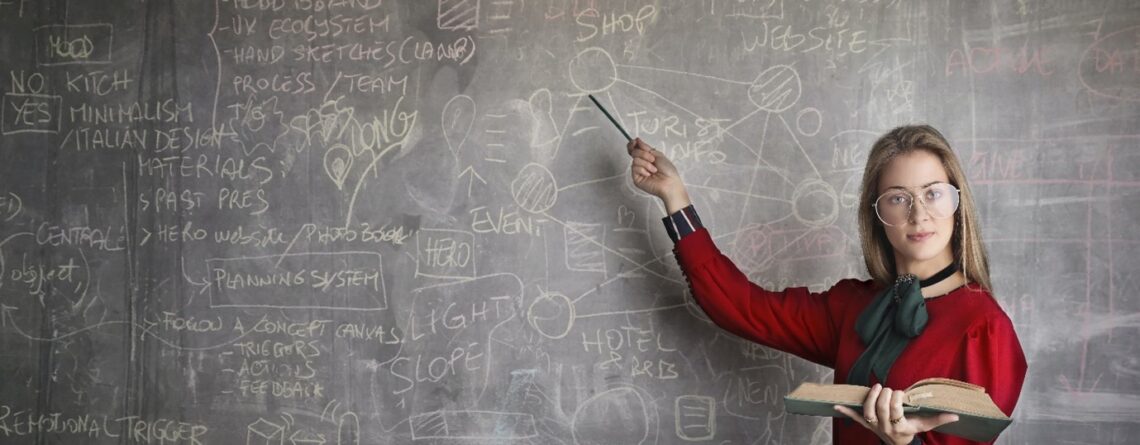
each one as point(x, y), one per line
point(370, 221)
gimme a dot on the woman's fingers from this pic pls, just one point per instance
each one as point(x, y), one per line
point(897, 412)
point(638, 171)
point(640, 144)
point(869, 404)
point(645, 156)
point(883, 406)
point(635, 144)
point(645, 164)
point(853, 415)
point(636, 147)
point(923, 424)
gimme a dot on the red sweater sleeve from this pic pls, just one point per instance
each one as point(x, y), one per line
point(992, 358)
point(794, 320)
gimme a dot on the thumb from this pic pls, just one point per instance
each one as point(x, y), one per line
point(930, 423)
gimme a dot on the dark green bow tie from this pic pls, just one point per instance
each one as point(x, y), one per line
point(897, 315)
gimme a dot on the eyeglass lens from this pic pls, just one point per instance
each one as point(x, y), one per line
point(894, 206)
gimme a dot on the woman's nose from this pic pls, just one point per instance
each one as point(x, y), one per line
point(918, 211)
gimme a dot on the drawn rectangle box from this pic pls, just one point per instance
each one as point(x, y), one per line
point(473, 425)
point(443, 253)
point(584, 248)
point(30, 113)
point(73, 44)
point(457, 15)
point(351, 281)
point(695, 417)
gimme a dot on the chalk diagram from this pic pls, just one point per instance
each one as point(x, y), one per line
point(477, 320)
point(786, 209)
point(288, 429)
point(803, 195)
point(762, 141)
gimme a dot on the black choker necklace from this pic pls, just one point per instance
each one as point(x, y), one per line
point(941, 275)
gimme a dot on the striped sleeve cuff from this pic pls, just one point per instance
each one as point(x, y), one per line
point(682, 223)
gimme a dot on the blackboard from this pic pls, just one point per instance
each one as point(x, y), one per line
point(389, 221)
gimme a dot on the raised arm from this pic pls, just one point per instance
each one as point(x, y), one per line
point(794, 320)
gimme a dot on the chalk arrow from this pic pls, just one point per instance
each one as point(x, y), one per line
point(6, 315)
point(302, 437)
point(471, 178)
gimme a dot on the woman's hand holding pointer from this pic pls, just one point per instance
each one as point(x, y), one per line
point(655, 174)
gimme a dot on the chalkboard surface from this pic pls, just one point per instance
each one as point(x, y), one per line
point(380, 221)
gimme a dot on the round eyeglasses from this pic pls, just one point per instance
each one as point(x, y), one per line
point(895, 205)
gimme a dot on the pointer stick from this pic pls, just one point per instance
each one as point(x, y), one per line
point(607, 113)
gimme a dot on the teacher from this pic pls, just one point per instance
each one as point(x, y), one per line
point(927, 310)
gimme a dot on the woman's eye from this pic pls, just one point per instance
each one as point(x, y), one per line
point(933, 194)
point(898, 199)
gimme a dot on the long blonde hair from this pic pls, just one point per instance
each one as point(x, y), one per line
point(966, 241)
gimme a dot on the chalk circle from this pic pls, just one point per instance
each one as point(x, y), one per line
point(534, 188)
point(551, 314)
point(752, 247)
point(46, 268)
point(809, 118)
point(457, 119)
point(593, 71)
point(776, 89)
point(338, 162)
point(815, 203)
point(1125, 40)
point(618, 416)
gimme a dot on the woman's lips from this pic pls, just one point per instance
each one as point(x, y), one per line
point(920, 237)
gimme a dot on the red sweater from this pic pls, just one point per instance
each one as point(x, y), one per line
point(968, 336)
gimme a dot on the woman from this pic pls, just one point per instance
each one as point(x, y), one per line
point(926, 312)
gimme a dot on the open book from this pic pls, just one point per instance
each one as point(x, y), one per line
point(978, 417)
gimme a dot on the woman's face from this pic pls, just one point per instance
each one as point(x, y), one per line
point(920, 241)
